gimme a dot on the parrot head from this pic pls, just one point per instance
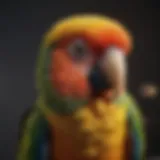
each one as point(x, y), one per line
point(82, 58)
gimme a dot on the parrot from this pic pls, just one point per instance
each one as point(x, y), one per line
point(83, 109)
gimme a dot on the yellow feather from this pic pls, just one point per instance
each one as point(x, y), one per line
point(93, 134)
point(83, 23)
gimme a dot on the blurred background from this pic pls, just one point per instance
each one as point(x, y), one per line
point(22, 24)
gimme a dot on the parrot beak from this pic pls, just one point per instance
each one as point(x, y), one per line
point(109, 74)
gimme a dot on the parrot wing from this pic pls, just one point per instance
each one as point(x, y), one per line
point(33, 136)
point(136, 131)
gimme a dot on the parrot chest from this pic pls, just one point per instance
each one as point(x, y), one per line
point(91, 136)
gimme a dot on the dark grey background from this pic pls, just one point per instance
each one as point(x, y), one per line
point(22, 23)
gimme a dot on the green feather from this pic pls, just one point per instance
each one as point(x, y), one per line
point(138, 130)
point(136, 126)
point(29, 140)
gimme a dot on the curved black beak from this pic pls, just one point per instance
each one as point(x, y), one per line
point(98, 81)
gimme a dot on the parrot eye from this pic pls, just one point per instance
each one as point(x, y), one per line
point(78, 50)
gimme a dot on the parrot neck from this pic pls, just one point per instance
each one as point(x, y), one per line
point(120, 91)
point(113, 94)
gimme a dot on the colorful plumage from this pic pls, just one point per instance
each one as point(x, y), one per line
point(83, 110)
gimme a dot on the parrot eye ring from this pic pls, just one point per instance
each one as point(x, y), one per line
point(78, 49)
